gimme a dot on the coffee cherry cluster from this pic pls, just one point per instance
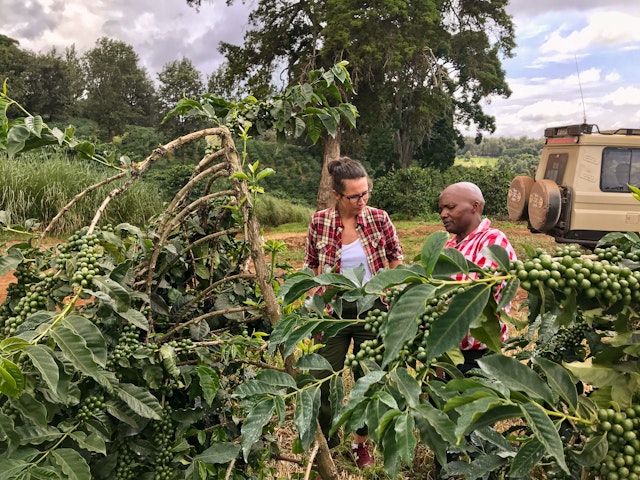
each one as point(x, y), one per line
point(615, 255)
point(622, 429)
point(126, 467)
point(80, 257)
point(32, 297)
point(128, 343)
point(571, 272)
point(414, 349)
point(91, 406)
point(163, 436)
point(10, 411)
point(567, 344)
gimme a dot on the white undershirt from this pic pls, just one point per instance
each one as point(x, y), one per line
point(353, 255)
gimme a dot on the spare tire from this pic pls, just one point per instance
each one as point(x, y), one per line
point(544, 205)
point(518, 197)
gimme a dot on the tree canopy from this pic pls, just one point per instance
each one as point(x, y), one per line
point(418, 66)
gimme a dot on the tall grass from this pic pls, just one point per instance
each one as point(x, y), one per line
point(272, 211)
point(37, 185)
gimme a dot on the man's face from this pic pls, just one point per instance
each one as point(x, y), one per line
point(457, 212)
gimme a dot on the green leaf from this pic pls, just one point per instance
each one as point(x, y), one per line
point(44, 361)
point(545, 431)
point(91, 335)
point(92, 442)
point(218, 453)
point(16, 138)
point(34, 124)
point(252, 427)
point(450, 263)
point(402, 319)
point(508, 292)
point(471, 412)
point(13, 344)
point(526, 459)
point(276, 378)
point(449, 329)
point(139, 400)
point(252, 388)
point(336, 395)
point(594, 451)
point(432, 249)
point(388, 278)
point(10, 261)
point(516, 376)
point(294, 287)
point(499, 255)
point(313, 361)
point(32, 409)
point(406, 441)
point(116, 291)
point(559, 380)
point(73, 465)
point(407, 385)
point(306, 414)
point(11, 378)
point(209, 382)
point(75, 350)
point(387, 435)
point(137, 318)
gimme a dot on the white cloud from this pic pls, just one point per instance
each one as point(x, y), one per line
point(603, 29)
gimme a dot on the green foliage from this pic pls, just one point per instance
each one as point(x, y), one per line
point(414, 191)
point(138, 142)
point(297, 170)
point(408, 191)
point(118, 91)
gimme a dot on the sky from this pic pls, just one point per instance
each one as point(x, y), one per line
point(574, 60)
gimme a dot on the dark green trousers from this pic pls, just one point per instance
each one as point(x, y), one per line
point(335, 351)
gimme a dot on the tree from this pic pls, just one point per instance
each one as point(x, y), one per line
point(119, 92)
point(54, 84)
point(14, 65)
point(180, 79)
point(414, 63)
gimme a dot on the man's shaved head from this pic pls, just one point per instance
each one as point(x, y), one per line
point(461, 206)
point(466, 190)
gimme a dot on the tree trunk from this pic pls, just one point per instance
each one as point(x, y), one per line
point(403, 146)
point(331, 152)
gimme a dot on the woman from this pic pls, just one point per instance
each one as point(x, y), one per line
point(347, 236)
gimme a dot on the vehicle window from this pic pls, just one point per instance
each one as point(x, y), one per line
point(635, 167)
point(556, 164)
point(616, 169)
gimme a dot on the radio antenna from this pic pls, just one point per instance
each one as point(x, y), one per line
point(584, 110)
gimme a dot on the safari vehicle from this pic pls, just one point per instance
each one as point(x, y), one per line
point(581, 187)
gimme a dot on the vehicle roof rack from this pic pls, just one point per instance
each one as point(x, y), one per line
point(622, 131)
point(570, 130)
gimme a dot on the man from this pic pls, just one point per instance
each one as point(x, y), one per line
point(461, 205)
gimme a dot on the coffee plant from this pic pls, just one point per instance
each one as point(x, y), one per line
point(560, 396)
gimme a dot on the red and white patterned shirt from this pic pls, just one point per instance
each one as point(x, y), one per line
point(374, 228)
point(471, 247)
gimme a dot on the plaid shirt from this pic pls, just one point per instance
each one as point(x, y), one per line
point(374, 228)
point(471, 247)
